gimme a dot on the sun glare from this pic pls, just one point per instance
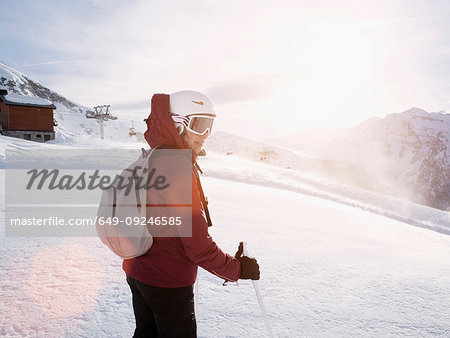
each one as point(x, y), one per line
point(335, 74)
point(73, 284)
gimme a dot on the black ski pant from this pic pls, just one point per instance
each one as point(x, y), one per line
point(163, 312)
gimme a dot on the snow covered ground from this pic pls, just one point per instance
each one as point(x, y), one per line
point(335, 261)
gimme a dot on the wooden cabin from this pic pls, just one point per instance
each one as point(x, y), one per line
point(26, 117)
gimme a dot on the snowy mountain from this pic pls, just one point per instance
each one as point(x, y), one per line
point(406, 154)
point(18, 83)
point(70, 116)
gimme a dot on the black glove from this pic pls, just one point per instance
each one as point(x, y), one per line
point(249, 266)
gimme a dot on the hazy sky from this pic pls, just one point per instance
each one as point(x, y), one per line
point(271, 67)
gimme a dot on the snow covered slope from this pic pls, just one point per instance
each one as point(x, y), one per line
point(281, 157)
point(407, 154)
point(335, 260)
point(328, 269)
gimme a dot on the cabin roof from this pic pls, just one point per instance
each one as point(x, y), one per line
point(28, 101)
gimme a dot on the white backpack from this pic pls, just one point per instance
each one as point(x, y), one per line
point(118, 217)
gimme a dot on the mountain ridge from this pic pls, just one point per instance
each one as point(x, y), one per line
point(408, 153)
point(18, 83)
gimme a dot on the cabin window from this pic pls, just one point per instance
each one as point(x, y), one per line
point(27, 137)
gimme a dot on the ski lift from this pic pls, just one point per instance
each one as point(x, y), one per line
point(101, 112)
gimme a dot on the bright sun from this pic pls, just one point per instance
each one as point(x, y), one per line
point(335, 75)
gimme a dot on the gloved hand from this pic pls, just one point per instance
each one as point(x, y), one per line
point(249, 266)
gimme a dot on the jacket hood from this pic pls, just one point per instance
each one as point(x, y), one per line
point(160, 126)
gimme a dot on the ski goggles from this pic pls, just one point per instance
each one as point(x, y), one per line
point(200, 124)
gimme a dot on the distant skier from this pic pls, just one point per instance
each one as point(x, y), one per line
point(161, 280)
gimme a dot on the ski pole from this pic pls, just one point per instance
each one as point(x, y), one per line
point(196, 297)
point(258, 296)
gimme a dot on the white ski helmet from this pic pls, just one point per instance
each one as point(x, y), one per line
point(187, 103)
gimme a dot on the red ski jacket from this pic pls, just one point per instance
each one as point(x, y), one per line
point(173, 261)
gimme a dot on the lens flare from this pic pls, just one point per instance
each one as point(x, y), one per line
point(64, 280)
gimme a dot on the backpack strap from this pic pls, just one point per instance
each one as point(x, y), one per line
point(204, 199)
point(114, 201)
